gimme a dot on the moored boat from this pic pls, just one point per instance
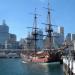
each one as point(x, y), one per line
point(44, 56)
point(41, 57)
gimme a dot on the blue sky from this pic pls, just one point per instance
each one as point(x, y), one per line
point(17, 14)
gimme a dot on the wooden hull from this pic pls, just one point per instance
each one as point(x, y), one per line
point(37, 59)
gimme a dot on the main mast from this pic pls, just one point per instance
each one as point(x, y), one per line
point(49, 27)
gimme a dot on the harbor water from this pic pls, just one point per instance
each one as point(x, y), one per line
point(17, 67)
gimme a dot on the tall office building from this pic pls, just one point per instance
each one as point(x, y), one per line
point(58, 38)
point(12, 43)
point(73, 37)
point(68, 37)
point(60, 30)
point(7, 40)
point(12, 37)
point(4, 32)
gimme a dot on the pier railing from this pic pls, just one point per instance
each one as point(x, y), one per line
point(12, 50)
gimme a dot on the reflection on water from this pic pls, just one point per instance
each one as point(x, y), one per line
point(16, 67)
point(43, 69)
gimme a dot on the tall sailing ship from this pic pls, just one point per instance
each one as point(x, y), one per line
point(47, 55)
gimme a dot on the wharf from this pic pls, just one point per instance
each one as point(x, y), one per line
point(9, 55)
point(68, 66)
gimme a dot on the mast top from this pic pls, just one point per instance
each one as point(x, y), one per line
point(49, 14)
point(49, 25)
point(35, 20)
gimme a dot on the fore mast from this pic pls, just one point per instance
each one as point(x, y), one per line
point(35, 31)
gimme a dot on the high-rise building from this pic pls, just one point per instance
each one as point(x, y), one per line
point(58, 40)
point(4, 32)
point(12, 42)
point(60, 30)
point(7, 40)
point(73, 37)
point(12, 37)
point(68, 37)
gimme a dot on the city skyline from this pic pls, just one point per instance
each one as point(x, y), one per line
point(18, 18)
